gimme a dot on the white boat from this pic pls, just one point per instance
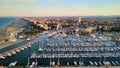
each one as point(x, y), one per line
point(17, 50)
point(117, 62)
point(68, 64)
point(34, 55)
point(50, 63)
point(25, 47)
point(106, 63)
point(40, 49)
point(100, 36)
point(28, 61)
point(48, 44)
point(113, 63)
point(75, 63)
point(77, 35)
point(33, 64)
point(29, 45)
point(36, 63)
point(22, 36)
point(91, 63)
point(13, 52)
point(21, 48)
point(53, 63)
point(13, 63)
point(80, 63)
point(96, 63)
point(28, 39)
point(92, 35)
point(8, 53)
point(100, 63)
point(1, 56)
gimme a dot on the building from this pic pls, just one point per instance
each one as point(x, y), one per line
point(79, 19)
point(77, 24)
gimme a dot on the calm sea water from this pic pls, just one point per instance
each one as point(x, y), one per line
point(5, 21)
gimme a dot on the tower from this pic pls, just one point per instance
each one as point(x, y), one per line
point(79, 19)
point(77, 24)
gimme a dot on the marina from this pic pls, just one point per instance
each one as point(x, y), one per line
point(71, 50)
point(68, 51)
point(62, 47)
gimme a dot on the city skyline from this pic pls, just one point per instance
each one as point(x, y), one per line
point(59, 7)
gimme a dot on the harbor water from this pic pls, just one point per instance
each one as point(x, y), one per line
point(24, 57)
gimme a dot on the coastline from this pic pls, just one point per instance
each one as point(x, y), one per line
point(6, 21)
point(19, 24)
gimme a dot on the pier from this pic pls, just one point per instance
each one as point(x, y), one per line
point(17, 49)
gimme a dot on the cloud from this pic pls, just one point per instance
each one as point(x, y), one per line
point(22, 1)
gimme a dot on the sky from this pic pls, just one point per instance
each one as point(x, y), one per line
point(59, 7)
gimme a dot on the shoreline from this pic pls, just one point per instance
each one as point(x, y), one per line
point(18, 25)
point(9, 22)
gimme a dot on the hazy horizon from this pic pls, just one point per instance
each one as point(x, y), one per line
point(59, 7)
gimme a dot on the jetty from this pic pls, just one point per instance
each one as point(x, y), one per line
point(17, 49)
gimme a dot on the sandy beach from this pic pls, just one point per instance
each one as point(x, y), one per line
point(18, 25)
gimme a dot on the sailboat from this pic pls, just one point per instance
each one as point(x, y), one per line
point(40, 48)
point(2, 57)
point(50, 62)
point(28, 62)
point(68, 64)
point(53, 63)
point(58, 61)
point(13, 63)
point(91, 63)
point(75, 63)
point(34, 55)
point(36, 63)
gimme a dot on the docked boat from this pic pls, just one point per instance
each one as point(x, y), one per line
point(53, 63)
point(68, 64)
point(28, 39)
point(21, 36)
point(40, 47)
point(34, 55)
point(96, 63)
point(13, 63)
point(117, 62)
point(113, 63)
point(25, 47)
point(17, 50)
point(91, 63)
point(81, 63)
point(13, 52)
point(28, 62)
point(75, 63)
point(21, 48)
point(29, 45)
point(100, 63)
point(8, 54)
point(1, 56)
point(32, 65)
point(92, 35)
